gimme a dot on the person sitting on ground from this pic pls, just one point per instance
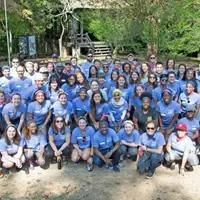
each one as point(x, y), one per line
point(180, 147)
point(106, 144)
point(151, 150)
point(11, 149)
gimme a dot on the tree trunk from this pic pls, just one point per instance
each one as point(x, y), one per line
point(152, 49)
point(61, 38)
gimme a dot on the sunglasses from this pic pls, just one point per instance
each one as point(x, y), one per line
point(188, 99)
point(152, 77)
point(163, 80)
point(153, 57)
point(84, 138)
point(89, 56)
point(59, 121)
point(104, 67)
point(150, 128)
point(15, 62)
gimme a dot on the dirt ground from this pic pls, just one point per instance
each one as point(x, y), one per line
point(73, 182)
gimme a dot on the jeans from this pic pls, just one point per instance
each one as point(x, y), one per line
point(132, 151)
point(149, 162)
point(115, 157)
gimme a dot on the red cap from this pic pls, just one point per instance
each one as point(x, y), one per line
point(181, 127)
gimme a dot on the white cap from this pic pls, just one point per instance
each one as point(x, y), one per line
point(38, 76)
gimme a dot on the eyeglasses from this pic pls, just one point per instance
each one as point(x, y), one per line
point(150, 128)
point(164, 80)
point(89, 56)
point(59, 121)
point(15, 62)
point(105, 67)
point(188, 99)
point(84, 138)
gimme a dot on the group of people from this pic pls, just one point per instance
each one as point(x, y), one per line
point(101, 112)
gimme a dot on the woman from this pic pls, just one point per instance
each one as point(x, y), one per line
point(150, 150)
point(144, 72)
point(129, 140)
point(82, 140)
point(36, 66)
point(118, 109)
point(15, 112)
point(34, 144)
point(168, 111)
point(3, 102)
point(189, 97)
point(93, 73)
point(134, 79)
point(98, 108)
point(81, 105)
point(144, 113)
point(181, 71)
point(192, 123)
point(11, 149)
point(170, 65)
point(50, 68)
point(126, 68)
point(152, 83)
point(39, 110)
point(71, 87)
point(63, 108)
point(94, 86)
point(53, 89)
point(81, 80)
point(59, 140)
point(180, 147)
point(152, 62)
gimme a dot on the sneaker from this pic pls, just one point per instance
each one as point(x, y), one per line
point(189, 168)
point(59, 164)
point(108, 166)
point(115, 168)
point(89, 167)
point(173, 165)
point(149, 175)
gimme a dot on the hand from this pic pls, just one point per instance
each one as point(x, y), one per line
point(181, 172)
point(171, 156)
point(108, 155)
point(128, 114)
point(18, 163)
point(144, 148)
point(123, 142)
point(57, 153)
point(44, 128)
point(108, 161)
point(30, 152)
point(96, 125)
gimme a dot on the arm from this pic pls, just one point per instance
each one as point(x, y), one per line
point(8, 157)
point(160, 122)
point(99, 154)
point(197, 110)
point(135, 121)
point(47, 119)
point(21, 121)
point(196, 135)
point(53, 146)
point(30, 116)
point(159, 150)
point(184, 160)
point(66, 144)
point(93, 120)
point(175, 119)
point(131, 144)
point(7, 120)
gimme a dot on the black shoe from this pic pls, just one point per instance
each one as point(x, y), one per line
point(189, 168)
point(59, 164)
point(149, 175)
point(116, 168)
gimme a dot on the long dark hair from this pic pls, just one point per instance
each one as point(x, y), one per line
point(16, 139)
point(90, 75)
point(25, 130)
point(54, 127)
point(131, 81)
point(178, 73)
point(52, 80)
point(85, 81)
point(125, 84)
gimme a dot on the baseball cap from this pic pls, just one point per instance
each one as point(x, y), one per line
point(59, 64)
point(67, 62)
point(190, 108)
point(181, 127)
point(5, 67)
point(43, 70)
point(38, 76)
point(54, 55)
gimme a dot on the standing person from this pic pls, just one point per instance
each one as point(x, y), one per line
point(50, 68)
point(129, 140)
point(81, 80)
point(134, 79)
point(144, 71)
point(11, 149)
point(98, 108)
point(14, 64)
point(151, 150)
point(53, 90)
point(180, 147)
point(93, 73)
point(151, 83)
point(20, 83)
point(170, 65)
point(126, 68)
point(59, 140)
point(86, 65)
point(106, 144)
point(15, 112)
point(180, 72)
point(82, 143)
point(29, 69)
point(39, 110)
point(4, 81)
point(153, 61)
point(34, 144)
point(68, 68)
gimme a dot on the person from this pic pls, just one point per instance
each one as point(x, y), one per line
point(134, 79)
point(81, 105)
point(59, 75)
point(118, 109)
point(126, 70)
point(50, 68)
point(15, 63)
point(168, 112)
point(3, 102)
point(93, 73)
point(59, 140)
point(144, 113)
point(29, 69)
point(36, 66)
point(71, 87)
point(181, 71)
point(86, 65)
point(98, 108)
point(34, 144)
point(39, 110)
point(45, 73)
point(54, 58)
point(189, 97)
point(153, 61)
point(129, 140)
point(180, 147)
point(151, 83)
point(159, 70)
point(53, 89)
point(193, 126)
point(15, 112)
point(145, 71)
point(113, 79)
point(106, 144)
point(150, 150)
point(82, 143)
point(11, 149)
point(170, 65)
point(62, 107)
point(81, 80)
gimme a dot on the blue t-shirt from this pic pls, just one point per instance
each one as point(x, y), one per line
point(82, 140)
point(132, 137)
point(152, 141)
point(10, 148)
point(14, 112)
point(4, 84)
point(59, 138)
point(106, 141)
point(71, 91)
point(39, 111)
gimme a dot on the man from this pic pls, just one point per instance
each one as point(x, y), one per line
point(74, 65)
point(86, 66)
point(15, 63)
point(45, 73)
point(159, 70)
point(59, 75)
point(4, 81)
point(20, 83)
point(106, 144)
point(27, 96)
point(54, 58)
point(29, 69)
point(67, 70)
